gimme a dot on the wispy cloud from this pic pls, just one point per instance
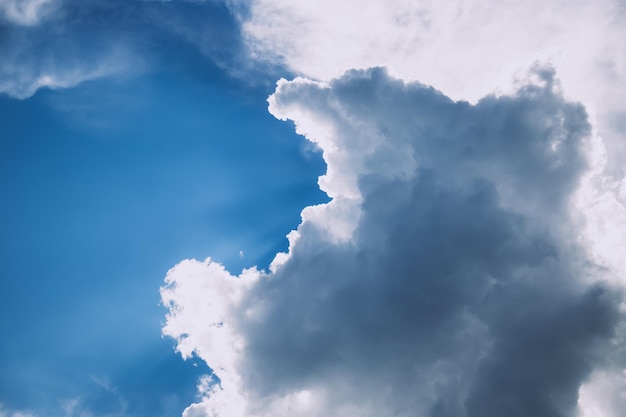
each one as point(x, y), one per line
point(26, 12)
point(69, 408)
point(55, 44)
point(58, 51)
point(21, 78)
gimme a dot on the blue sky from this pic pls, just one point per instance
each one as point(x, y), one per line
point(106, 185)
point(460, 256)
point(99, 206)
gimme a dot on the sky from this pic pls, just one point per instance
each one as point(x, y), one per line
point(268, 208)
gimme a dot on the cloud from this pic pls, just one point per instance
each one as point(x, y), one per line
point(447, 276)
point(71, 408)
point(25, 12)
point(604, 395)
point(61, 51)
point(13, 413)
point(54, 44)
point(20, 79)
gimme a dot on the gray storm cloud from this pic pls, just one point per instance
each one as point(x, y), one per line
point(446, 278)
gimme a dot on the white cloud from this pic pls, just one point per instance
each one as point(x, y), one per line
point(604, 395)
point(466, 49)
point(601, 200)
point(445, 277)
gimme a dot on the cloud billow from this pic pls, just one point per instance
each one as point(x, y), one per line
point(444, 279)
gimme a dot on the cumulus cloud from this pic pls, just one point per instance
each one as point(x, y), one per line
point(446, 278)
point(469, 49)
